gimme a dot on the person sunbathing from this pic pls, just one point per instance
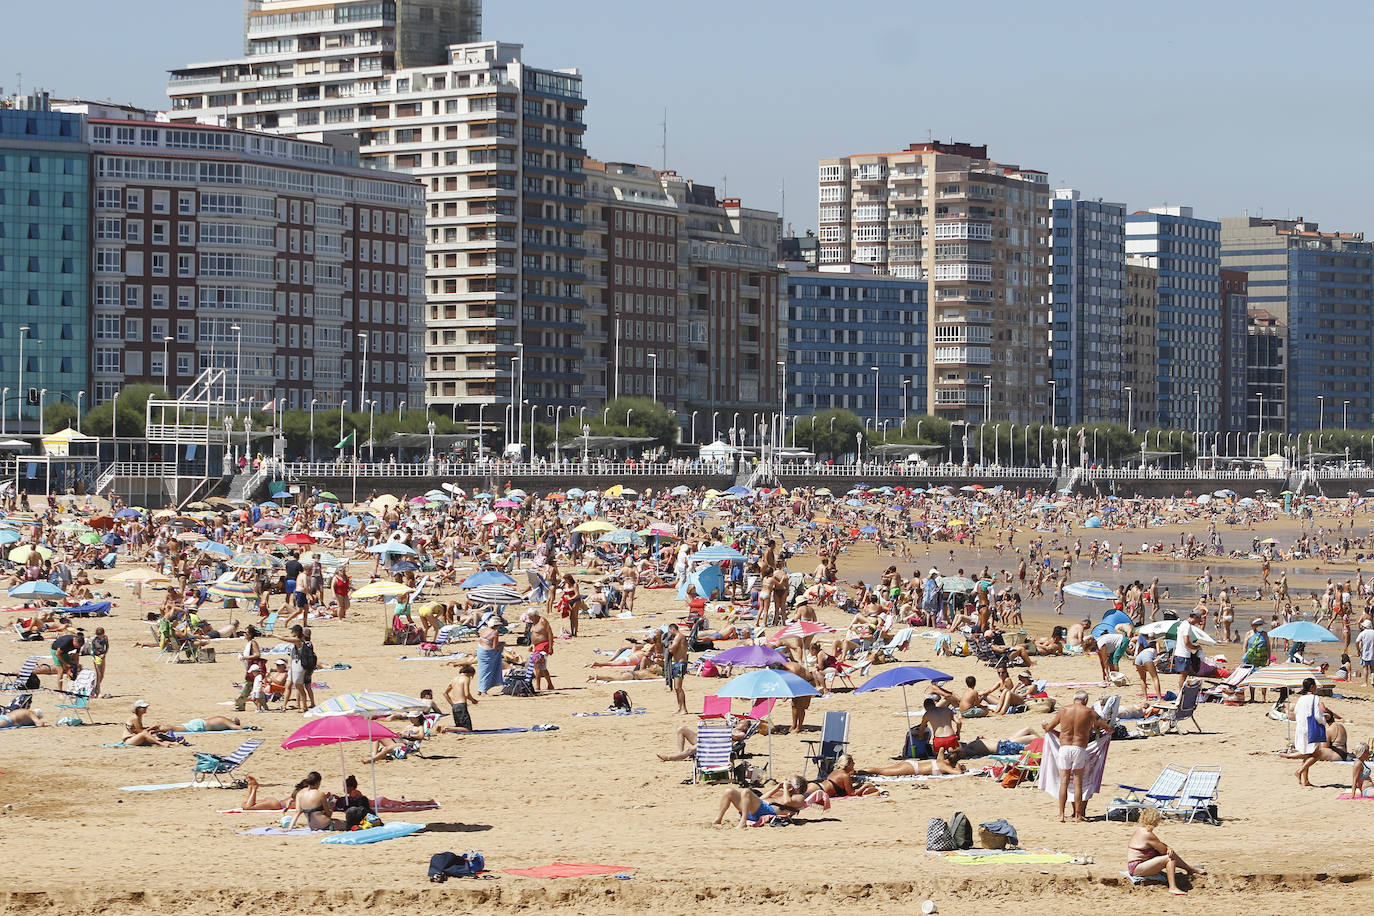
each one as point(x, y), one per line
point(313, 804)
point(945, 764)
point(981, 747)
point(652, 672)
point(22, 718)
point(253, 802)
point(213, 724)
point(840, 783)
point(138, 733)
point(687, 739)
point(752, 808)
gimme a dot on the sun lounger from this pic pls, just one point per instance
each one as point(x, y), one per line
point(213, 766)
point(832, 743)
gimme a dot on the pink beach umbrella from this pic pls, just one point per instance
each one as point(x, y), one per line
point(337, 730)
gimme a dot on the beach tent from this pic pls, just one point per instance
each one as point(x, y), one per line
point(1110, 621)
point(709, 583)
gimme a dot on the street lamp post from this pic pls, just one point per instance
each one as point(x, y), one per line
point(401, 411)
point(987, 404)
point(997, 445)
point(480, 429)
point(714, 414)
point(628, 411)
point(313, 402)
point(557, 415)
point(362, 391)
point(4, 396)
point(782, 404)
point(80, 396)
point(586, 433)
point(520, 399)
point(876, 376)
point(430, 427)
point(1345, 414)
point(19, 405)
point(653, 386)
point(371, 442)
point(1130, 412)
point(238, 365)
point(694, 427)
point(1054, 402)
point(165, 365)
point(1321, 408)
point(114, 424)
point(42, 396)
point(859, 449)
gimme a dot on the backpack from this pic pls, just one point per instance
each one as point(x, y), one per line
point(961, 831)
point(306, 654)
point(620, 700)
point(916, 747)
point(445, 865)
point(938, 836)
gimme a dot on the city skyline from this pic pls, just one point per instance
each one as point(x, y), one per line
point(1161, 106)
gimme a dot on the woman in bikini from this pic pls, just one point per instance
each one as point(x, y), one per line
point(1148, 855)
point(253, 802)
point(139, 734)
point(935, 767)
point(313, 803)
point(840, 782)
point(752, 808)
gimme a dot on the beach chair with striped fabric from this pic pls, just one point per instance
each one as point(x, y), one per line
point(430, 649)
point(712, 758)
point(80, 695)
point(22, 683)
point(213, 766)
point(832, 743)
point(1198, 796)
point(1163, 792)
point(898, 643)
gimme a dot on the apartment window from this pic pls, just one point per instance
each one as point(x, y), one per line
point(157, 298)
point(159, 264)
point(133, 329)
point(107, 359)
point(186, 331)
point(186, 265)
point(134, 201)
point(107, 260)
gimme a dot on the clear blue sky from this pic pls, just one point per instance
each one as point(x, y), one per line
point(1224, 105)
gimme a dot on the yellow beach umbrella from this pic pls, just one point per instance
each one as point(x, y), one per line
point(140, 576)
point(21, 553)
point(595, 526)
point(383, 590)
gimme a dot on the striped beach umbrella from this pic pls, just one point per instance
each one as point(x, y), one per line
point(1089, 589)
point(495, 594)
point(800, 629)
point(229, 588)
point(253, 561)
point(382, 589)
point(1286, 674)
point(368, 703)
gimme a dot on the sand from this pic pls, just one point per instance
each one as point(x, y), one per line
point(592, 791)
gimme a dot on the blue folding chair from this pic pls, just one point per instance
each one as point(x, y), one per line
point(833, 741)
point(713, 749)
point(1163, 792)
point(1198, 796)
point(213, 766)
point(81, 691)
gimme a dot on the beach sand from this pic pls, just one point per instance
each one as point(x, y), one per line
point(592, 791)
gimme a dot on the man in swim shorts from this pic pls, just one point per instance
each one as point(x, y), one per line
point(1074, 725)
point(944, 728)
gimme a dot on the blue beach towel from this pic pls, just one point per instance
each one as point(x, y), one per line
point(373, 835)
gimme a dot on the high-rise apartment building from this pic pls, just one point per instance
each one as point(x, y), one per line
point(278, 260)
point(977, 231)
point(498, 147)
point(1186, 251)
point(684, 293)
point(1266, 373)
point(1234, 329)
point(1140, 343)
point(1087, 289)
point(45, 256)
point(844, 322)
point(1321, 286)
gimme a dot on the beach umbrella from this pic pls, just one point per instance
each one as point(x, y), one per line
point(900, 677)
point(1285, 674)
point(593, 526)
point(127, 513)
point(749, 657)
point(495, 594)
point(679, 490)
point(298, 537)
point(325, 494)
point(90, 537)
point(1170, 629)
point(620, 536)
point(393, 547)
point(370, 703)
point(1090, 589)
point(1303, 631)
point(715, 555)
point(506, 504)
point(272, 524)
point(215, 547)
point(576, 492)
point(800, 629)
point(9, 536)
point(404, 566)
point(100, 522)
point(231, 589)
point(382, 589)
point(486, 577)
point(765, 683)
point(1093, 522)
point(956, 584)
point(337, 730)
point(38, 589)
point(739, 490)
point(139, 576)
point(868, 529)
point(21, 553)
point(253, 561)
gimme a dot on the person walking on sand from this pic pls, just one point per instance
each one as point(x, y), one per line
point(1074, 725)
point(677, 666)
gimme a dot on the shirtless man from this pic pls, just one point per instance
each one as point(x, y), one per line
point(944, 729)
point(458, 694)
point(540, 631)
point(677, 666)
point(1074, 724)
point(970, 699)
point(1078, 632)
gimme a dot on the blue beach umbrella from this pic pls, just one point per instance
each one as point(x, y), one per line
point(486, 577)
point(900, 677)
point(38, 589)
point(1303, 631)
point(1090, 589)
point(767, 682)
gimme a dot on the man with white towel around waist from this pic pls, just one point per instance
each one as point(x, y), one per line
point(1074, 725)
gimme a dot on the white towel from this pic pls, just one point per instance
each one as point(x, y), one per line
point(1092, 777)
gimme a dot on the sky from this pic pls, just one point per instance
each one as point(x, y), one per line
point(1229, 107)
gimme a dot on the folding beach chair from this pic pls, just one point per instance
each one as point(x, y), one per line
point(21, 679)
point(269, 623)
point(898, 643)
point(761, 709)
point(1183, 709)
point(430, 649)
point(1198, 796)
point(713, 749)
point(714, 707)
point(832, 743)
point(81, 691)
point(213, 766)
point(539, 588)
point(1162, 792)
point(1218, 690)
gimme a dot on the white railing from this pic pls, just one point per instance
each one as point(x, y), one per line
point(305, 469)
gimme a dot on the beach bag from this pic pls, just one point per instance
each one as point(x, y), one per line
point(709, 669)
point(961, 830)
point(916, 747)
point(1316, 730)
point(1043, 706)
point(445, 865)
point(620, 700)
point(938, 837)
point(308, 659)
point(517, 685)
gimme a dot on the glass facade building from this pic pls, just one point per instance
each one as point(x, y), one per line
point(1187, 253)
point(842, 323)
point(45, 181)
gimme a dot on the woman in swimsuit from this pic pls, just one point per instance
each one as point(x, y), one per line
point(935, 767)
point(252, 802)
point(312, 802)
point(1360, 772)
point(1148, 855)
point(139, 734)
point(840, 782)
point(753, 808)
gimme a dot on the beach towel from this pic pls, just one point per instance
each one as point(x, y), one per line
point(489, 674)
point(373, 835)
point(638, 711)
point(1004, 857)
point(568, 870)
point(1146, 879)
point(513, 731)
point(277, 830)
point(1346, 796)
point(1092, 777)
point(156, 787)
point(381, 805)
point(917, 778)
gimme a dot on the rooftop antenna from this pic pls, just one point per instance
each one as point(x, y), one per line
point(665, 138)
point(782, 205)
point(724, 183)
